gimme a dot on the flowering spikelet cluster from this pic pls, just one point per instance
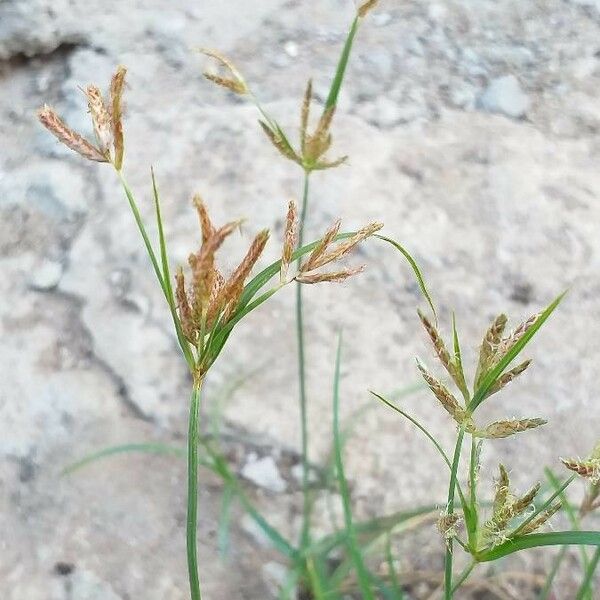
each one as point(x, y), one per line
point(507, 506)
point(233, 81)
point(489, 355)
point(447, 525)
point(325, 252)
point(494, 347)
point(211, 298)
point(588, 468)
point(106, 120)
point(313, 146)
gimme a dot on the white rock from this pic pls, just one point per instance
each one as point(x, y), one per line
point(264, 473)
point(275, 575)
point(505, 96)
point(47, 276)
point(291, 49)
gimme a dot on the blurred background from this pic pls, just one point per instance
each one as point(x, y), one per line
point(472, 131)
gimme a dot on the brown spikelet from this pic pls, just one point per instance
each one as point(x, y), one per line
point(231, 84)
point(521, 504)
point(320, 141)
point(329, 164)
point(235, 283)
point(290, 239)
point(206, 226)
point(437, 341)
point(441, 392)
point(502, 489)
point(203, 268)
point(589, 469)
point(344, 247)
point(279, 143)
point(183, 306)
point(51, 121)
point(333, 276)
point(117, 84)
point(101, 119)
point(488, 346)
point(447, 524)
point(502, 429)
point(542, 518)
point(305, 114)
point(367, 6)
point(509, 376)
point(235, 83)
point(321, 247)
point(507, 343)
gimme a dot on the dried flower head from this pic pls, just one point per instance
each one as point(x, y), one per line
point(234, 82)
point(507, 506)
point(106, 120)
point(449, 362)
point(313, 146)
point(367, 6)
point(211, 298)
point(325, 252)
point(447, 525)
point(490, 342)
point(502, 429)
point(441, 392)
point(540, 520)
point(290, 239)
point(507, 377)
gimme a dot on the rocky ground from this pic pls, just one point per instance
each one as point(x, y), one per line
point(472, 131)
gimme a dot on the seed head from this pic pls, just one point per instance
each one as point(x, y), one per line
point(520, 505)
point(304, 114)
point(588, 469)
point(290, 239)
point(542, 518)
point(489, 344)
point(507, 377)
point(106, 120)
point(321, 247)
point(280, 142)
point(346, 246)
point(502, 429)
point(447, 525)
point(52, 122)
point(235, 82)
point(437, 341)
point(116, 94)
point(441, 392)
point(367, 6)
point(100, 118)
point(333, 276)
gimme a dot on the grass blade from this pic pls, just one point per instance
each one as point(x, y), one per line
point(152, 448)
point(536, 540)
point(415, 268)
point(416, 424)
point(225, 521)
point(586, 585)
point(353, 549)
point(336, 84)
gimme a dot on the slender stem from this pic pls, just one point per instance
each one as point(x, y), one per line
point(589, 575)
point(192, 493)
point(448, 591)
point(463, 576)
point(305, 533)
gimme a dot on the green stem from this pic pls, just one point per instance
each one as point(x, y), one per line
point(589, 575)
point(305, 532)
point(192, 493)
point(448, 591)
point(463, 576)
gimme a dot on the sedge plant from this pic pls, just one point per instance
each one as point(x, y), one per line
point(205, 310)
point(513, 522)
